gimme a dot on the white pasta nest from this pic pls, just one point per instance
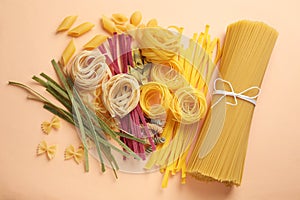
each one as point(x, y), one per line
point(121, 94)
point(89, 70)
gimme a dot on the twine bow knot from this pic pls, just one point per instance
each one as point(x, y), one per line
point(232, 93)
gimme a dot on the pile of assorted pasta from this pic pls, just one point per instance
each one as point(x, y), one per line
point(142, 92)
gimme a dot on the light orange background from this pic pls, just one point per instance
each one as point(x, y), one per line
point(28, 43)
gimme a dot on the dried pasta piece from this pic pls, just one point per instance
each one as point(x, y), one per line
point(50, 150)
point(130, 27)
point(192, 105)
point(48, 126)
point(78, 154)
point(152, 23)
point(88, 70)
point(81, 29)
point(121, 94)
point(136, 18)
point(155, 99)
point(168, 76)
point(68, 53)
point(95, 42)
point(121, 28)
point(119, 18)
point(108, 25)
point(66, 23)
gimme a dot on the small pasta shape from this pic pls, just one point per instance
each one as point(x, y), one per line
point(81, 29)
point(121, 28)
point(152, 23)
point(136, 18)
point(68, 53)
point(95, 42)
point(119, 18)
point(66, 23)
point(108, 25)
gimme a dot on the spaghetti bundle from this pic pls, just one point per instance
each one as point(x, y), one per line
point(220, 150)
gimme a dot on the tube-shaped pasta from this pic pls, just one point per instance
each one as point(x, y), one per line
point(108, 25)
point(81, 29)
point(66, 23)
point(95, 42)
point(68, 52)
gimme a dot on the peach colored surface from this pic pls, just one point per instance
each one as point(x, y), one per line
point(28, 43)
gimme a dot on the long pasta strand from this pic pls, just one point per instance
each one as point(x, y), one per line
point(220, 152)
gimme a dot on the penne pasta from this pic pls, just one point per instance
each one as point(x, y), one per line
point(66, 23)
point(108, 25)
point(81, 29)
point(68, 53)
point(95, 42)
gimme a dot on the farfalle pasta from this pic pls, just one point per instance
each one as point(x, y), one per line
point(49, 150)
point(77, 155)
point(48, 126)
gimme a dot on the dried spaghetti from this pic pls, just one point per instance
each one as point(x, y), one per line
point(220, 151)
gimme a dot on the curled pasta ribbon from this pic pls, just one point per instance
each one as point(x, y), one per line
point(70, 152)
point(121, 94)
point(50, 151)
point(48, 126)
point(158, 44)
point(188, 105)
point(154, 100)
point(167, 75)
point(89, 70)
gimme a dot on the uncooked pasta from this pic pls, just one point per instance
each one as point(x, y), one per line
point(121, 94)
point(220, 150)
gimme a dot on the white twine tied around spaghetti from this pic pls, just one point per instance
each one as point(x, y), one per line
point(232, 93)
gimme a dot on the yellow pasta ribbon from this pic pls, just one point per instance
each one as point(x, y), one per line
point(48, 126)
point(68, 53)
point(81, 29)
point(188, 105)
point(66, 23)
point(78, 154)
point(154, 100)
point(158, 45)
point(192, 105)
point(95, 42)
point(50, 151)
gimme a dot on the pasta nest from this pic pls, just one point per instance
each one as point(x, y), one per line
point(188, 105)
point(121, 94)
point(154, 100)
point(89, 69)
point(158, 44)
